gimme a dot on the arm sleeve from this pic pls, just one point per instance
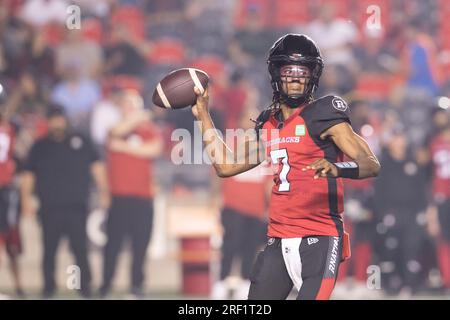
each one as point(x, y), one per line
point(328, 112)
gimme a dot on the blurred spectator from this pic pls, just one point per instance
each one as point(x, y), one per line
point(123, 55)
point(439, 217)
point(59, 170)
point(252, 40)
point(26, 50)
point(399, 204)
point(247, 49)
point(23, 48)
point(165, 18)
point(28, 96)
point(440, 119)
point(163, 11)
point(41, 60)
point(336, 79)
point(9, 216)
point(132, 144)
point(334, 36)
point(421, 60)
point(77, 95)
point(105, 116)
point(14, 46)
point(210, 26)
point(245, 199)
point(99, 8)
point(41, 12)
point(27, 107)
point(373, 56)
point(75, 50)
point(359, 216)
point(239, 96)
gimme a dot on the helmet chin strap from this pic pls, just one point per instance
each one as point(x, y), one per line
point(293, 101)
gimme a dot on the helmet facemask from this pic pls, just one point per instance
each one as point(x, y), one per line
point(284, 73)
point(293, 82)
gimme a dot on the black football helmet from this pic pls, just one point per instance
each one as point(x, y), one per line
point(294, 49)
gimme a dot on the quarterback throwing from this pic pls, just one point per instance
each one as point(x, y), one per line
point(306, 238)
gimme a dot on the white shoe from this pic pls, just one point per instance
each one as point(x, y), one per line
point(220, 291)
point(241, 292)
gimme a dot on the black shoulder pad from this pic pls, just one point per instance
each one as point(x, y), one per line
point(262, 118)
point(324, 113)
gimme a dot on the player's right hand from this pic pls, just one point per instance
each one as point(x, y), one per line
point(201, 106)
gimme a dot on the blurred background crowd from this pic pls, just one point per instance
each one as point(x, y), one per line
point(389, 59)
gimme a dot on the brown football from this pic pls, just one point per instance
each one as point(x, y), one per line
point(176, 90)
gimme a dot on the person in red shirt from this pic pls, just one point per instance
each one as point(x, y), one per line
point(305, 139)
point(439, 215)
point(131, 146)
point(9, 207)
point(243, 218)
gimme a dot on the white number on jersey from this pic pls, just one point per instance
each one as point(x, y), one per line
point(282, 154)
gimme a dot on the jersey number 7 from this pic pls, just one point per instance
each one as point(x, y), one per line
point(281, 154)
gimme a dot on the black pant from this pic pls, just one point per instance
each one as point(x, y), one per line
point(401, 245)
point(311, 263)
point(4, 208)
point(131, 217)
point(243, 234)
point(444, 218)
point(59, 222)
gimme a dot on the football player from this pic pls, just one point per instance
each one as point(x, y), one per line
point(305, 139)
point(9, 217)
point(439, 217)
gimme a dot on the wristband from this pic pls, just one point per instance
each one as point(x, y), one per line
point(348, 169)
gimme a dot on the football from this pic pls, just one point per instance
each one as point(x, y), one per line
point(176, 90)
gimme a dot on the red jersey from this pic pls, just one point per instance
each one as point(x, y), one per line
point(131, 175)
point(246, 192)
point(440, 154)
point(300, 205)
point(7, 164)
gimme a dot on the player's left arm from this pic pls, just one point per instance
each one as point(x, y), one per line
point(364, 163)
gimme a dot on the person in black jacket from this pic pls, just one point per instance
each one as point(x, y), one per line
point(59, 170)
point(399, 204)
